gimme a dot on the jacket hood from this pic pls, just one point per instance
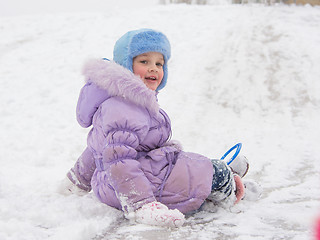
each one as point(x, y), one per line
point(136, 42)
point(119, 81)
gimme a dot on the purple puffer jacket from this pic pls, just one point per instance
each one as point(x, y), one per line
point(135, 163)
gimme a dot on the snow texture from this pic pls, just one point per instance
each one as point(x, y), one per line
point(238, 73)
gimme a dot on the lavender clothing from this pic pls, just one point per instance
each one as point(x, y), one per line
point(129, 160)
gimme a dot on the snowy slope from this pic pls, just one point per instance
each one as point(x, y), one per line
point(245, 74)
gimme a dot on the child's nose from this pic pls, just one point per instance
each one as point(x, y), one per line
point(153, 68)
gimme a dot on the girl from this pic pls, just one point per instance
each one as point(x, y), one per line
point(130, 162)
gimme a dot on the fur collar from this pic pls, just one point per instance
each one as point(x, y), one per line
point(119, 81)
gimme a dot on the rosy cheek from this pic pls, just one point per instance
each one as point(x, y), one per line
point(162, 74)
point(137, 71)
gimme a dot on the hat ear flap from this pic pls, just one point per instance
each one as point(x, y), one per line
point(164, 79)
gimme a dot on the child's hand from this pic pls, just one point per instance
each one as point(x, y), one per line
point(156, 213)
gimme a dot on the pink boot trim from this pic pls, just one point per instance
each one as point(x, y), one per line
point(239, 188)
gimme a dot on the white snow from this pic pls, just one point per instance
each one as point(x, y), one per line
point(238, 73)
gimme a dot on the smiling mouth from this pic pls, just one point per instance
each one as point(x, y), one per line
point(151, 78)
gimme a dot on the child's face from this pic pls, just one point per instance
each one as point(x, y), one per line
point(149, 66)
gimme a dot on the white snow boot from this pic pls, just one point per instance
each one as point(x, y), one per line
point(253, 190)
point(240, 165)
point(157, 214)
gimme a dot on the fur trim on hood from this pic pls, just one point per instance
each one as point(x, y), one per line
point(119, 81)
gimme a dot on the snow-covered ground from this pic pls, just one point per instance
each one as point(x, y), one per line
point(239, 73)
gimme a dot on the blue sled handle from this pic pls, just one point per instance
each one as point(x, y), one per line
point(238, 146)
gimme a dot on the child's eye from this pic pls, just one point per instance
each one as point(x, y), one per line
point(143, 61)
point(159, 64)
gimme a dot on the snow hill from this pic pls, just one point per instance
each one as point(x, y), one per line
point(238, 73)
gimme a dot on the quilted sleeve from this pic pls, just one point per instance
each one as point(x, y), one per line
point(126, 125)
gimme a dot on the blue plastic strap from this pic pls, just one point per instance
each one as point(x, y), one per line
point(238, 146)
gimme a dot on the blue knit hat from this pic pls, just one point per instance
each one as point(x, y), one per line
point(136, 42)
